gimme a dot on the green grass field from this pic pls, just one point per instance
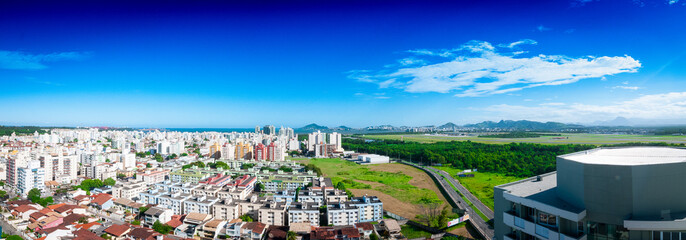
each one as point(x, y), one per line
point(411, 232)
point(481, 185)
point(574, 138)
point(394, 184)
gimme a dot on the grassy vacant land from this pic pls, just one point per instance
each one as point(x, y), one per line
point(411, 232)
point(402, 188)
point(565, 138)
point(481, 185)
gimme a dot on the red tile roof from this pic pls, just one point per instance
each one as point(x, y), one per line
point(365, 226)
point(117, 230)
point(102, 199)
point(64, 208)
point(56, 206)
point(24, 208)
point(83, 234)
point(256, 227)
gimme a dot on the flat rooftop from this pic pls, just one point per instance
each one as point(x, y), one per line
point(543, 191)
point(629, 156)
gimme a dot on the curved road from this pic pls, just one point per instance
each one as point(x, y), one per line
point(474, 218)
point(475, 201)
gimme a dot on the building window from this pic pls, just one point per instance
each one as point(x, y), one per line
point(547, 219)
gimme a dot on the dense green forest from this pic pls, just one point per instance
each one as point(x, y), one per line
point(23, 130)
point(519, 135)
point(514, 159)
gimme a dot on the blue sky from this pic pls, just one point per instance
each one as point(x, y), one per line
point(353, 63)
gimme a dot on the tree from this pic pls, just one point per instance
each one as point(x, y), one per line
point(184, 154)
point(142, 210)
point(148, 165)
point(33, 195)
point(246, 218)
point(259, 187)
point(3, 195)
point(159, 157)
point(136, 222)
point(373, 236)
point(121, 176)
point(291, 236)
point(109, 182)
point(107, 160)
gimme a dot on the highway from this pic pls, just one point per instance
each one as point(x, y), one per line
point(477, 222)
point(475, 201)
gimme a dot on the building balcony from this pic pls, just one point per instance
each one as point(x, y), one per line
point(531, 228)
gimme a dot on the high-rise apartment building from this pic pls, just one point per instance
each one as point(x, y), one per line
point(30, 177)
point(335, 139)
point(260, 152)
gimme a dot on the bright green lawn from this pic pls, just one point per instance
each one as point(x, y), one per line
point(395, 184)
point(481, 185)
point(575, 138)
point(411, 232)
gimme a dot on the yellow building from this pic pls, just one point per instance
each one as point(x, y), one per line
point(243, 151)
point(214, 149)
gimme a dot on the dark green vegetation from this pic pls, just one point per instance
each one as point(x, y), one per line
point(24, 130)
point(198, 164)
point(519, 135)
point(34, 196)
point(513, 159)
point(162, 228)
point(90, 184)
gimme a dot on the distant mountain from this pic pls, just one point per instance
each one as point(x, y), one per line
point(342, 128)
point(448, 125)
point(312, 128)
point(522, 125)
point(619, 121)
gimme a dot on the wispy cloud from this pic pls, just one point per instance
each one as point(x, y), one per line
point(670, 2)
point(542, 28)
point(634, 88)
point(26, 61)
point(477, 68)
point(517, 43)
point(656, 106)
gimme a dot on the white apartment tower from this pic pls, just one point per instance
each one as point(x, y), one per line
point(30, 177)
point(335, 139)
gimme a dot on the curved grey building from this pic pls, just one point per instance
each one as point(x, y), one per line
point(604, 194)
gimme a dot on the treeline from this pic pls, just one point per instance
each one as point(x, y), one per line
point(519, 135)
point(514, 159)
point(24, 130)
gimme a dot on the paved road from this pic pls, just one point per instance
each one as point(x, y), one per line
point(475, 201)
point(455, 197)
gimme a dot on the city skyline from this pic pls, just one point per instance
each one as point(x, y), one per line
point(240, 64)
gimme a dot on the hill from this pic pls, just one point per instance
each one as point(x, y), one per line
point(312, 128)
point(522, 125)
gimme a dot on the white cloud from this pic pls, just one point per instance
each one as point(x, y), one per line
point(670, 2)
point(552, 104)
point(626, 87)
point(478, 69)
point(656, 106)
point(411, 61)
point(542, 28)
point(520, 42)
point(26, 61)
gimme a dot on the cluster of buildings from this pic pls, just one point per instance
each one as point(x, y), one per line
point(176, 179)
